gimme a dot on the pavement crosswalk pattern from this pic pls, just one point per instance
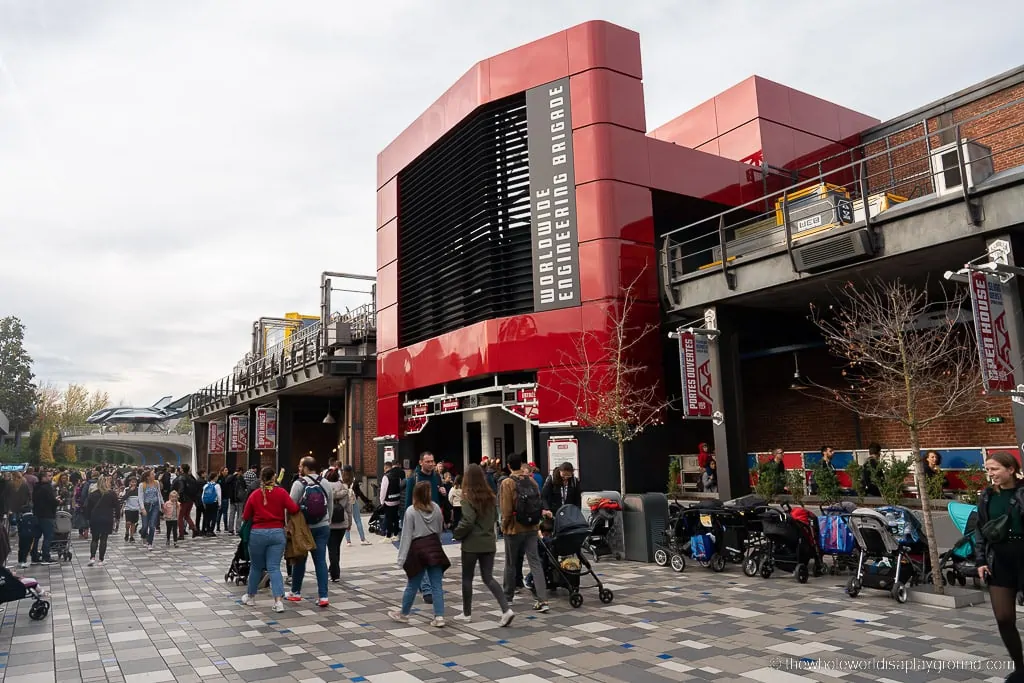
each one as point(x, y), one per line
point(168, 615)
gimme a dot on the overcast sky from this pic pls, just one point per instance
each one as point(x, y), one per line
point(171, 171)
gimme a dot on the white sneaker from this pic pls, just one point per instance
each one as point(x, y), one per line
point(292, 597)
point(396, 615)
point(23, 565)
point(463, 618)
point(506, 618)
point(278, 606)
point(437, 622)
point(248, 600)
point(365, 542)
point(100, 563)
point(91, 562)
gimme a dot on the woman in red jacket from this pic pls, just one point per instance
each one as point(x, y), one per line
point(266, 509)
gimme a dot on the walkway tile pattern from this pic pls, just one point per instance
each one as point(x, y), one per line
point(169, 616)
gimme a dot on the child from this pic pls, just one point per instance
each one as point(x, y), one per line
point(131, 510)
point(170, 511)
point(455, 498)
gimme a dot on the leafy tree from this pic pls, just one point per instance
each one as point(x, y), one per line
point(184, 426)
point(797, 483)
point(675, 471)
point(614, 394)
point(898, 372)
point(936, 484)
point(974, 479)
point(35, 445)
point(856, 473)
point(46, 447)
point(17, 392)
point(890, 477)
point(827, 483)
point(769, 482)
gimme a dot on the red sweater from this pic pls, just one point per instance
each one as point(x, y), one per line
point(269, 515)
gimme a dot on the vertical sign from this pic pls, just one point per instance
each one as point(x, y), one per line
point(266, 429)
point(563, 450)
point(238, 426)
point(990, 329)
point(498, 452)
point(556, 277)
point(695, 361)
point(215, 445)
point(389, 454)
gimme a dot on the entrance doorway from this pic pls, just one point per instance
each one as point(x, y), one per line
point(474, 442)
point(443, 437)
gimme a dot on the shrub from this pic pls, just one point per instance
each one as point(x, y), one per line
point(974, 479)
point(856, 473)
point(935, 485)
point(890, 477)
point(797, 482)
point(675, 471)
point(827, 484)
point(768, 481)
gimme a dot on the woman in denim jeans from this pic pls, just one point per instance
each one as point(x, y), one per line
point(265, 510)
point(151, 500)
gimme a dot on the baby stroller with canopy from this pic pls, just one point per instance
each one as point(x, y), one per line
point(791, 544)
point(376, 523)
point(957, 564)
point(13, 588)
point(239, 569)
point(602, 521)
point(60, 546)
point(835, 538)
point(562, 557)
point(893, 554)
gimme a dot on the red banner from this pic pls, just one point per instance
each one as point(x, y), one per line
point(266, 429)
point(238, 426)
point(216, 441)
point(696, 368)
point(990, 329)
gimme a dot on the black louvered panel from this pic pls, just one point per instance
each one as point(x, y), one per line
point(464, 252)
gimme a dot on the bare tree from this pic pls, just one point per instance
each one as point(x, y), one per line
point(900, 370)
point(610, 386)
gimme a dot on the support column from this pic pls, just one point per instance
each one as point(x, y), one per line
point(1014, 326)
point(252, 456)
point(285, 427)
point(530, 457)
point(727, 401)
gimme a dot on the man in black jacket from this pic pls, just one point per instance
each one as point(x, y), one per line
point(565, 491)
point(44, 505)
point(188, 490)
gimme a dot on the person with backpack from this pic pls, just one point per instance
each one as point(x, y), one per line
point(391, 499)
point(211, 498)
point(316, 500)
point(427, 472)
point(521, 512)
point(188, 495)
point(341, 519)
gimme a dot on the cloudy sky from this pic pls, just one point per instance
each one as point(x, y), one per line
point(170, 171)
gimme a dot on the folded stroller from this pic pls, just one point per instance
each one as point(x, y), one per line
point(563, 560)
point(239, 569)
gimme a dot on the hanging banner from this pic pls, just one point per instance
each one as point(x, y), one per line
point(215, 444)
point(266, 429)
point(695, 361)
point(238, 426)
point(992, 336)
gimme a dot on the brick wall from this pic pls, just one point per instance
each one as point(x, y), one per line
point(366, 464)
point(898, 170)
point(777, 416)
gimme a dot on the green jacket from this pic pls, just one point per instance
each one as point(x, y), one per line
point(477, 531)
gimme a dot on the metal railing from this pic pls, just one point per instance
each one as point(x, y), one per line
point(303, 349)
point(92, 430)
point(869, 179)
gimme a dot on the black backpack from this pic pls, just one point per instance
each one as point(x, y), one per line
point(528, 504)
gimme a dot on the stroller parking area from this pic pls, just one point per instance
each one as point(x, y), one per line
point(169, 616)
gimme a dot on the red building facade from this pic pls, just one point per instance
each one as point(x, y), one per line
point(512, 214)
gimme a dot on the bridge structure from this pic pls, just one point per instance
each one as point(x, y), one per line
point(153, 446)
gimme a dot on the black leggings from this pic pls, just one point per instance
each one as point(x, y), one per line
point(486, 560)
point(1004, 606)
point(172, 530)
point(98, 541)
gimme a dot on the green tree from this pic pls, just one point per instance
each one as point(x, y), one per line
point(827, 483)
point(974, 479)
point(797, 484)
point(769, 483)
point(17, 392)
point(890, 477)
point(675, 471)
point(894, 370)
point(184, 426)
point(856, 473)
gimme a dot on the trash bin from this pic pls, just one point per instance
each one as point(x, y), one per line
point(644, 520)
point(616, 537)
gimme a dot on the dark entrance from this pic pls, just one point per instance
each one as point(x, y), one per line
point(474, 444)
point(443, 437)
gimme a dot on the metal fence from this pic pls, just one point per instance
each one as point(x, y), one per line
point(299, 351)
point(856, 186)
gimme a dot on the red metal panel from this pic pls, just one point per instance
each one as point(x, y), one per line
point(536, 63)
point(692, 129)
point(387, 202)
point(387, 285)
point(696, 174)
point(814, 115)
point(736, 106)
point(603, 96)
point(387, 328)
point(711, 147)
point(742, 142)
point(468, 93)
point(773, 101)
point(851, 124)
point(387, 245)
point(605, 152)
point(777, 143)
point(609, 208)
point(389, 415)
point(599, 44)
point(609, 265)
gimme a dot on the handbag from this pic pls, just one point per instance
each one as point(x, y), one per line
point(996, 530)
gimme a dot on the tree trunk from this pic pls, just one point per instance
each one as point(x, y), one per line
point(622, 467)
point(926, 511)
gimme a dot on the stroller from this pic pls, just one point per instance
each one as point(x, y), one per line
point(376, 523)
point(562, 557)
point(835, 538)
point(957, 564)
point(602, 521)
point(893, 553)
point(60, 546)
point(13, 588)
point(675, 543)
point(239, 569)
point(790, 544)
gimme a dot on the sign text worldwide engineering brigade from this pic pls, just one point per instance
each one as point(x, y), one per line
point(556, 279)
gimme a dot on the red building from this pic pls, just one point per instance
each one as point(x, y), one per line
point(512, 214)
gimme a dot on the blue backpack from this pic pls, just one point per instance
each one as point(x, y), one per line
point(210, 494)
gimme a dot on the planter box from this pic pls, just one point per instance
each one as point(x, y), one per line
point(954, 597)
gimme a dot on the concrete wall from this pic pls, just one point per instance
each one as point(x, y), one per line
point(492, 426)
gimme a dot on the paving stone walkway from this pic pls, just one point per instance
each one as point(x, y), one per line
point(168, 615)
